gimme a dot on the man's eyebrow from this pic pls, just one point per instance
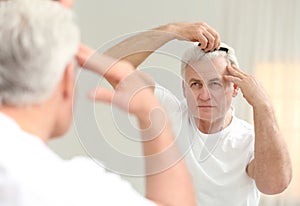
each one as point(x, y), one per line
point(194, 80)
point(215, 79)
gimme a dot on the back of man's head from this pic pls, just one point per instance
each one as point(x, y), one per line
point(38, 39)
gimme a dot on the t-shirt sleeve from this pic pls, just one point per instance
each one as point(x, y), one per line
point(172, 106)
point(251, 152)
point(167, 99)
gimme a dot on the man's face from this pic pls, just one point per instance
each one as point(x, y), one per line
point(208, 95)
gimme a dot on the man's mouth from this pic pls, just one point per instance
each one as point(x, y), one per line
point(205, 106)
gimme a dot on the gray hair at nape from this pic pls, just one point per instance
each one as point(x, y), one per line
point(38, 39)
point(195, 53)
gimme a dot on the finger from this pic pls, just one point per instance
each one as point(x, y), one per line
point(210, 41)
point(234, 72)
point(101, 94)
point(85, 48)
point(84, 52)
point(233, 79)
point(81, 58)
point(238, 69)
point(202, 41)
point(216, 36)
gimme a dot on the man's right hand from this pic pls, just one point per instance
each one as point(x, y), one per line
point(200, 32)
point(139, 47)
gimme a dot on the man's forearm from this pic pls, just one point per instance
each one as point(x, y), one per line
point(139, 47)
point(272, 169)
point(168, 181)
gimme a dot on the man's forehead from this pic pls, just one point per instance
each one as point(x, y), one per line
point(204, 77)
point(207, 68)
point(218, 63)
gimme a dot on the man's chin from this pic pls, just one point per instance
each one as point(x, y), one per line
point(203, 117)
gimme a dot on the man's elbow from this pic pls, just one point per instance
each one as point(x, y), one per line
point(274, 190)
point(277, 187)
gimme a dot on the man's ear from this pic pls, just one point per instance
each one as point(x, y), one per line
point(68, 81)
point(235, 90)
point(66, 3)
point(183, 88)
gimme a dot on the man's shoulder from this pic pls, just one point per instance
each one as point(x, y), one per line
point(242, 124)
point(241, 130)
point(169, 101)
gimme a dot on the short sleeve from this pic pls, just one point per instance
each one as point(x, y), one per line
point(168, 100)
point(172, 106)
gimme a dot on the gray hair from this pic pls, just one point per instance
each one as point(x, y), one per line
point(195, 53)
point(38, 39)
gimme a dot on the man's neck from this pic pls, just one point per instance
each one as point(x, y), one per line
point(211, 127)
point(30, 119)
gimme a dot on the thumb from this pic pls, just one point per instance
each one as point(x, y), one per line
point(84, 52)
point(101, 94)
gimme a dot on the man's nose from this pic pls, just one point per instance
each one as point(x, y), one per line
point(204, 94)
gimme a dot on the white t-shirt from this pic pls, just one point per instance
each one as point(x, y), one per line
point(217, 162)
point(32, 175)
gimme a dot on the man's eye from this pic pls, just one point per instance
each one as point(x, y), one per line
point(215, 85)
point(195, 84)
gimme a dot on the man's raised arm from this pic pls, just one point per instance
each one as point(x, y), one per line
point(137, 48)
point(168, 181)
